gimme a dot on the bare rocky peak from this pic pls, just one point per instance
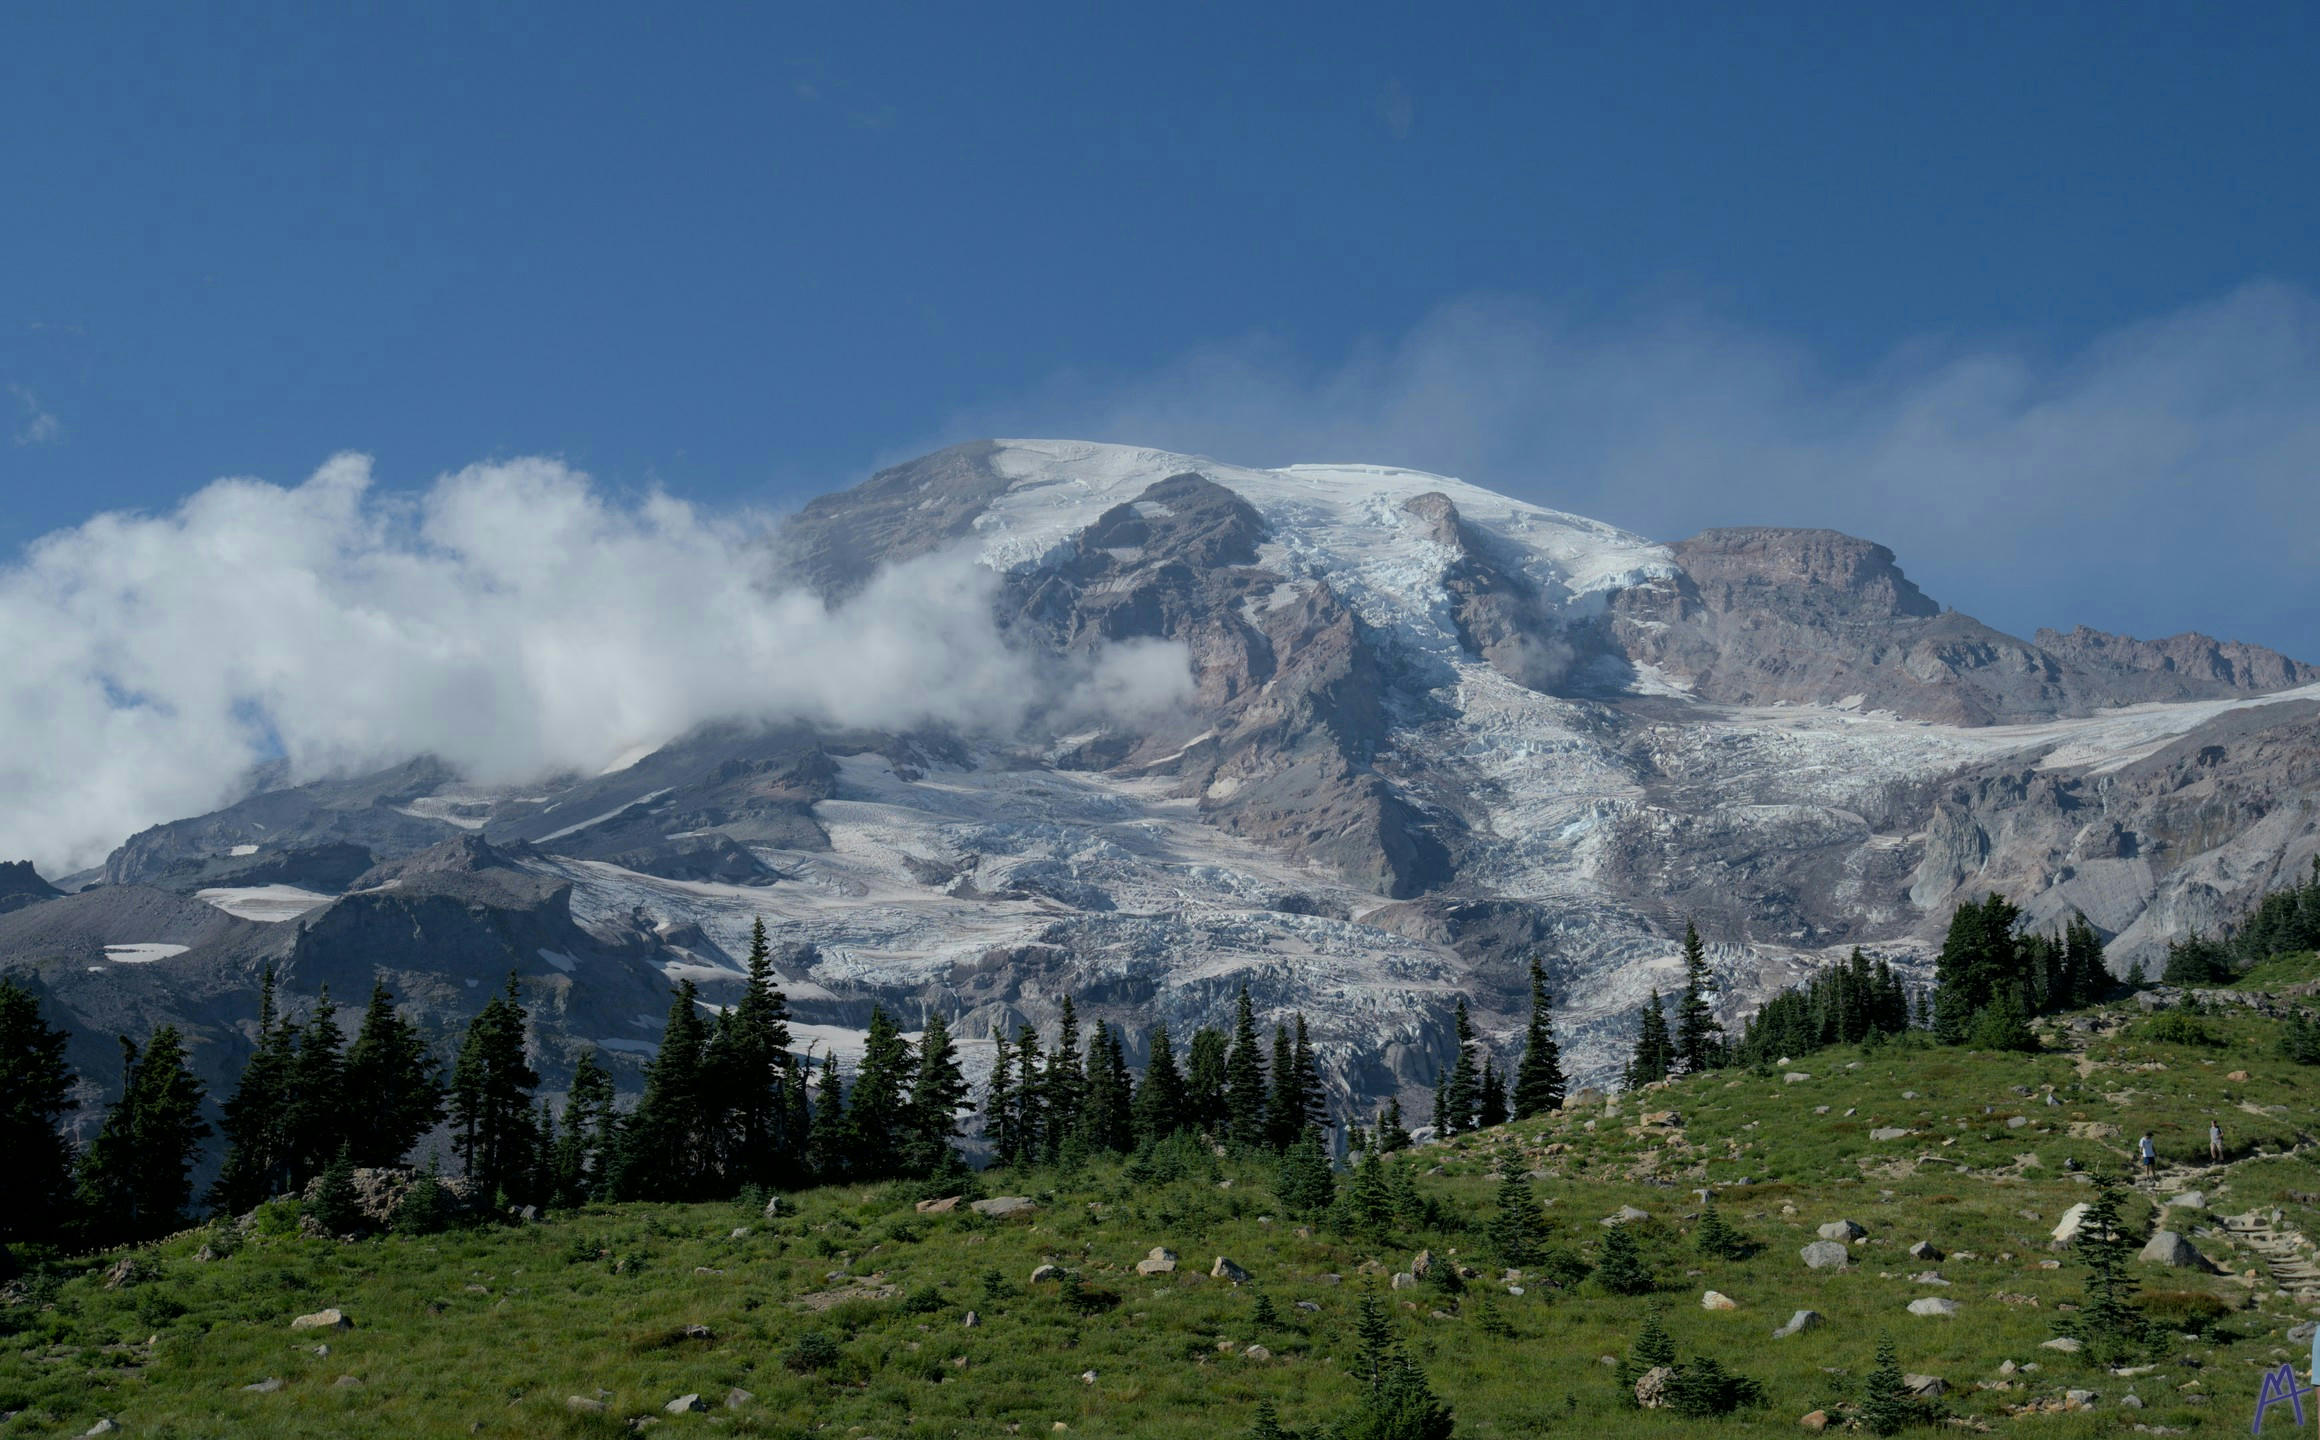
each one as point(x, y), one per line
point(1759, 567)
point(837, 541)
point(21, 885)
point(2200, 658)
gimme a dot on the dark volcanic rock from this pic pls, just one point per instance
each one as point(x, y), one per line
point(21, 885)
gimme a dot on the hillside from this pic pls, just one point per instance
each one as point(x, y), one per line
point(493, 1331)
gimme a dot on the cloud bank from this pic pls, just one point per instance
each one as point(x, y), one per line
point(2162, 477)
point(513, 620)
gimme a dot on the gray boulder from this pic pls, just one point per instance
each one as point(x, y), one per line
point(1935, 1306)
point(1826, 1255)
point(1001, 1206)
point(1225, 1269)
point(685, 1405)
point(1798, 1323)
point(1843, 1231)
point(1925, 1250)
point(2167, 1247)
point(1924, 1387)
point(1160, 1261)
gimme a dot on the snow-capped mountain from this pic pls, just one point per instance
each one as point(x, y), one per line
point(1433, 731)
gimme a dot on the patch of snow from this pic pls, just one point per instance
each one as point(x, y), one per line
point(559, 959)
point(269, 903)
point(239, 851)
point(613, 814)
point(142, 954)
point(468, 812)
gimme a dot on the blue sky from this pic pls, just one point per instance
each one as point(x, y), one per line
point(749, 252)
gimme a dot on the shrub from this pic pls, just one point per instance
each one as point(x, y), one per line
point(923, 1300)
point(1717, 1239)
point(335, 1206)
point(2175, 1028)
point(811, 1353)
point(1702, 1388)
point(421, 1209)
point(2300, 1041)
point(2188, 1311)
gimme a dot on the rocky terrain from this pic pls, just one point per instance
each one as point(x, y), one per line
point(1433, 732)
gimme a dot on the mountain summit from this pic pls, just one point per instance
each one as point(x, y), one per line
point(1432, 732)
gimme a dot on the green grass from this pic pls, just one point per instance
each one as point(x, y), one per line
point(488, 1332)
point(2299, 968)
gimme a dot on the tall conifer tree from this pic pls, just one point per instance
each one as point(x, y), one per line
point(394, 1090)
point(880, 1115)
point(1207, 1086)
point(749, 1065)
point(1284, 1107)
point(1159, 1103)
point(1244, 1079)
point(936, 1093)
point(257, 1113)
point(491, 1098)
point(1462, 1092)
point(1699, 1040)
point(1064, 1082)
point(666, 1150)
point(136, 1175)
point(1654, 1052)
point(831, 1144)
point(1539, 1085)
point(35, 1093)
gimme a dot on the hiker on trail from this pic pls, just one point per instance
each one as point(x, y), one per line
point(2150, 1154)
point(2215, 1142)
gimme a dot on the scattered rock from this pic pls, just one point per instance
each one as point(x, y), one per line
point(1798, 1323)
point(322, 1320)
point(1087, 1377)
point(773, 1207)
point(1423, 1265)
point(971, 1320)
point(2188, 1200)
point(1311, 1306)
point(944, 1206)
point(1933, 1305)
point(685, 1405)
point(740, 1232)
point(1002, 1206)
point(1044, 1273)
point(1651, 1387)
point(1842, 1230)
point(1888, 1132)
point(1403, 1280)
point(1225, 1269)
point(2237, 1075)
point(124, 1272)
point(2063, 1343)
point(2079, 1399)
point(1627, 1215)
point(1258, 1352)
point(583, 1405)
point(266, 1386)
point(699, 1332)
point(1924, 1387)
point(1718, 1300)
point(2066, 1230)
point(1816, 1421)
point(346, 1382)
point(1928, 1277)
point(104, 1426)
point(1926, 1250)
point(2167, 1247)
point(1794, 1077)
point(1826, 1255)
point(1159, 1261)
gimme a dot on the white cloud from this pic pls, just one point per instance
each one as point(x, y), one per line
point(512, 620)
point(2164, 476)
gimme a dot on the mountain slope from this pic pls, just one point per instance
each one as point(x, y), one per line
point(1433, 731)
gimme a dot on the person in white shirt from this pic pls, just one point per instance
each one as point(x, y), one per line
point(2150, 1154)
point(2215, 1142)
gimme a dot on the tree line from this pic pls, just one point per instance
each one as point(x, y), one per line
point(728, 1105)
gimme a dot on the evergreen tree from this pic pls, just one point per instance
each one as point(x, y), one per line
point(1699, 1040)
point(1654, 1052)
point(666, 1147)
point(2107, 1323)
point(135, 1177)
point(491, 1098)
point(1311, 1097)
point(1518, 1232)
point(1462, 1092)
point(1207, 1085)
point(1490, 1107)
point(748, 1069)
point(831, 1144)
point(1160, 1097)
point(257, 1115)
point(1391, 1134)
point(582, 1148)
point(1886, 1408)
point(1107, 1113)
point(394, 1092)
point(317, 1119)
point(1619, 1267)
point(1715, 1237)
point(879, 1105)
point(2089, 978)
point(1246, 1121)
point(1980, 959)
point(937, 1093)
point(1030, 1102)
point(1369, 1198)
point(335, 1206)
point(1539, 1085)
point(35, 1093)
point(999, 1125)
point(1284, 1107)
point(1065, 1082)
point(2000, 1026)
point(1396, 1403)
point(1441, 1118)
point(1653, 1348)
point(1306, 1185)
point(797, 1112)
